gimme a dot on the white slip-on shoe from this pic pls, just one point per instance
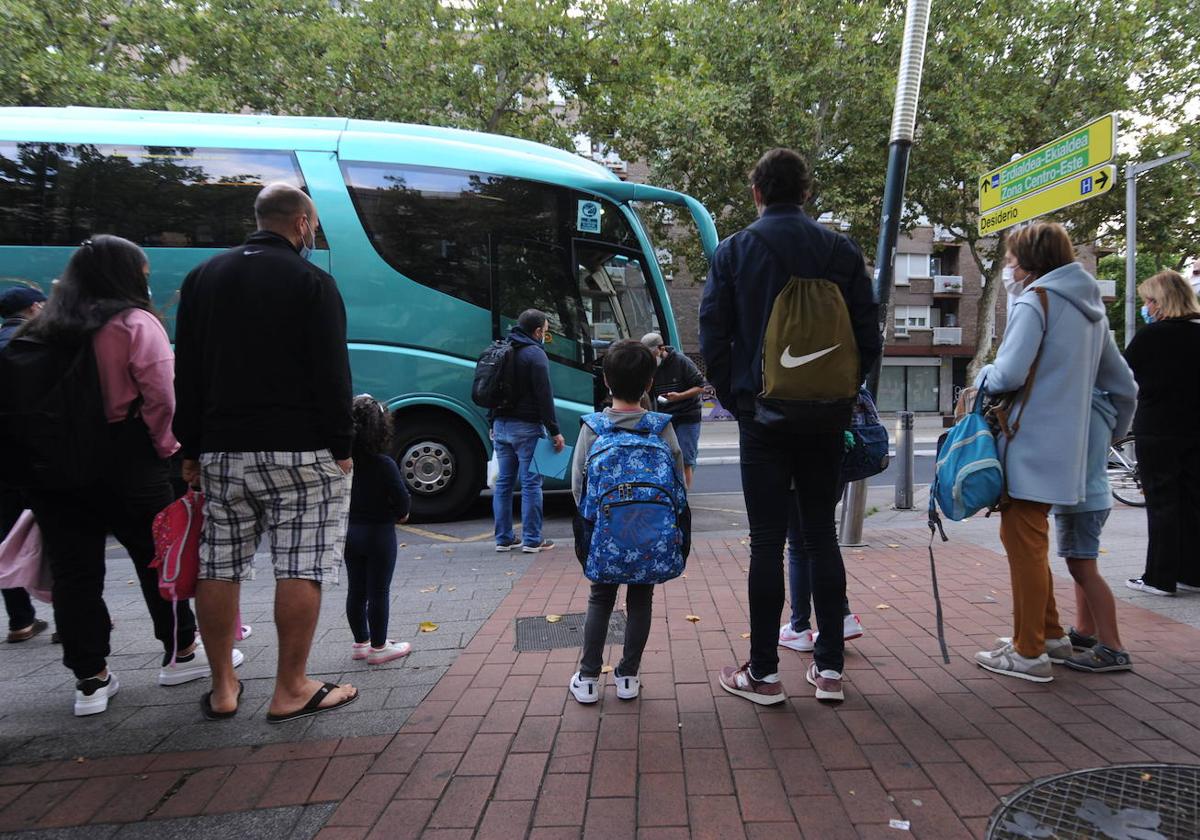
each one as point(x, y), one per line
point(627, 687)
point(92, 695)
point(585, 689)
point(359, 650)
point(390, 651)
point(194, 667)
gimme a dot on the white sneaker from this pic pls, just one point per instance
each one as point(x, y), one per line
point(247, 632)
point(627, 687)
point(1141, 586)
point(1186, 587)
point(585, 689)
point(391, 650)
point(195, 668)
point(359, 650)
point(1059, 650)
point(1006, 660)
point(92, 695)
point(851, 628)
point(802, 641)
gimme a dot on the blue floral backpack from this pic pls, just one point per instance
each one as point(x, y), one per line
point(633, 524)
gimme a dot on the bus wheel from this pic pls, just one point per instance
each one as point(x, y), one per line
point(442, 463)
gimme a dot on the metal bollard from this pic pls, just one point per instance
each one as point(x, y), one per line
point(904, 460)
point(854, 510)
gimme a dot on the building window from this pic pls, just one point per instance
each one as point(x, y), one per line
point(909, 318)
point(908, 388)
point(156, 196)
point(909, 266)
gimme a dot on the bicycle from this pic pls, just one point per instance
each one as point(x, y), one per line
point(1123, 475)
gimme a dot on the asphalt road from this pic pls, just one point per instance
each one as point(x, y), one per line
point(716, 501)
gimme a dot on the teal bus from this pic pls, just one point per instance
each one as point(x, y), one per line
point(438, 239)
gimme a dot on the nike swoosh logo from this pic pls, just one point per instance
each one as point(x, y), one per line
point(790, 361)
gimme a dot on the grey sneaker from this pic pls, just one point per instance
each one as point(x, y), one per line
point(508, 546)
point(545, 545)
point(1100, 659)
point(1006, 661)
point(1059, 650)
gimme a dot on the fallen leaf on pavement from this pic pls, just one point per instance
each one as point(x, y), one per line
point(745, 635)
point(404, 545)
point(451, 588)
point(882, 607)
point(429, 589)
point(418, 557)
point(427, 626)
point(509, 574)
point(893, 545)
point(553, 619)
point(692, 618)
point(606, 669)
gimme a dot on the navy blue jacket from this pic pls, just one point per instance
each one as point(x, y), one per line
point(535, 397)
point(744, 280)
point(9, 329)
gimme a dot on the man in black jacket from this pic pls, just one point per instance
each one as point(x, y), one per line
point(748, 271)
point(517, 428)
point(263, 395)
point(677, 387)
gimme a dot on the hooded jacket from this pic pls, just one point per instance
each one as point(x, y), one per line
point(1047, 460)
point(534, 401)
point(1100, 435)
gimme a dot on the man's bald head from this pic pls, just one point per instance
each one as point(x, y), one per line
point(278, 206)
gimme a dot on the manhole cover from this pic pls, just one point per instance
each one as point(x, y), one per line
point(1128, 802)
point(536, 633)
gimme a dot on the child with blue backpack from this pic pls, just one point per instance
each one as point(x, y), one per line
point(633, 525)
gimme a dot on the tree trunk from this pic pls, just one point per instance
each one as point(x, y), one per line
point(985, 320)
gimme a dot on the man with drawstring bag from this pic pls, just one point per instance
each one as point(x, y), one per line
point(788, 328)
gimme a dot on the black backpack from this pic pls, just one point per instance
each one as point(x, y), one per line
point(53, 430)
point(495, 384)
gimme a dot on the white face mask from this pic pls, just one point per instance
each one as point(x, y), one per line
point(1011, 285)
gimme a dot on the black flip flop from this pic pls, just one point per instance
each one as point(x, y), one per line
point(210, 714)
point(313, 706)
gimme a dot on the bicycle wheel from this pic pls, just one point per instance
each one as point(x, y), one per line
point(1123, 473)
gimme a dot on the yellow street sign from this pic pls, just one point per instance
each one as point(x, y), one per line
point(1087, 185)
point(1069, 155)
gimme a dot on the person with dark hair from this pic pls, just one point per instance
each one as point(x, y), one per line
point(677, 387)
point(378, 500)
point(629, 374)
point(16, 307)
point(1163, 356)
point(103, 297)
point(1057, 350)
point(264, 420)
point(749, 272)
point(516, 429)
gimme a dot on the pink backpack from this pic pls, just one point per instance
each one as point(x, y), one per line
point(177, 546)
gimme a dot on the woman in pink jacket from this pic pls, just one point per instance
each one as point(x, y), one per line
point(103, 296)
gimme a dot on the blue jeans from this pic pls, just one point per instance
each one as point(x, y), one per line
point(514, 441)
point(800, 574)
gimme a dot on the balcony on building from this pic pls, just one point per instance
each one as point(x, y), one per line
point(947, 285)
point(1108, 289)
point(947, 335)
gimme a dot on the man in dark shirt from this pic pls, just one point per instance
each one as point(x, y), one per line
point(517, 428)
point(263, 417)
point(16, 307)
point(677, 387)
point(748, 271)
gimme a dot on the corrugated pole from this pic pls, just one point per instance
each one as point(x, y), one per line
point(1130, 251)
point(904, 120)
point(904, 460)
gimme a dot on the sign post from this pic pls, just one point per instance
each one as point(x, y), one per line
point(1065, 171)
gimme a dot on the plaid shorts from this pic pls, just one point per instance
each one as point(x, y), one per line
point(300, 500)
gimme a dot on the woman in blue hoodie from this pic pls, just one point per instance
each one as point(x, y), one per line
point(1046, 462)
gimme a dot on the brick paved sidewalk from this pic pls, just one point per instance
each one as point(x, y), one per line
point(497, 748)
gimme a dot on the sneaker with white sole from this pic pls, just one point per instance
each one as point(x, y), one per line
point(508, 546)
point(792, 640)
point(1140, 585)
point(544, 545)
point(828, 684)
point(1081, 641)
point(1005, 660)
point(1101, 659)
point(627, 687)
point(92, 695)
point(585, 689)
point(739, 681)
point(851, 628)
point(390, 651)
point(1059, 650)
point(1186, 587)
point(192, 667)
point(360, 650)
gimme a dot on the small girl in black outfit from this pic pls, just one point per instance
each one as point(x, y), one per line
point(378, 500)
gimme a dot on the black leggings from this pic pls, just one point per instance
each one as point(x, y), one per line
point(370, 562)
point(75, 525)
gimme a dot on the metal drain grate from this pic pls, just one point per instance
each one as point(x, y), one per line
point(1126, 802)
point(536, 633)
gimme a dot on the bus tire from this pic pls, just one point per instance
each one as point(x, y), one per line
point(441, 461)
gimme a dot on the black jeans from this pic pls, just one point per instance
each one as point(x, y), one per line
point(800, 572)
point(370, 563)
point(75, 525)
point(639, 600)
point(1169, 468)
point(773, 463)
point(16, 601)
